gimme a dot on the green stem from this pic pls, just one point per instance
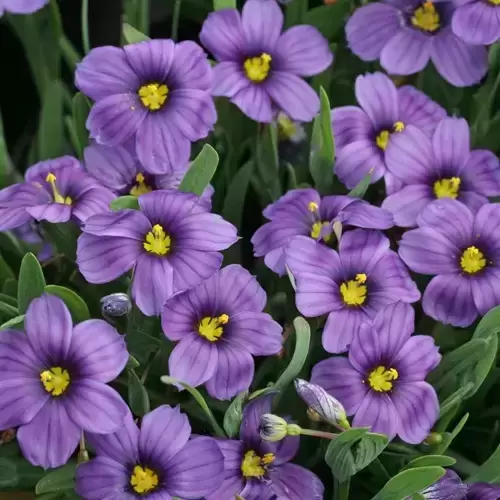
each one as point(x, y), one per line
point(342, 489)
point(69, 53)
point(319, 434)
point(85, 26)
point(144, 17)
point(149, 364)
point(175, 19)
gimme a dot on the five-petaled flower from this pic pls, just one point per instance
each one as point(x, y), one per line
point(382, 382)
point(159, 461)
point(53, 381)
point(260, 68)
point(219, 326)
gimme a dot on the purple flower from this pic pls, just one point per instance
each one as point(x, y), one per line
point(156, 93)
point(476, 21)
point(463, 250)
point(119, 169)
point(29, 233)
point(449, 487)
point(54, 190)
point(440, 167)
point(406, 34)
point(351, 286)
point(156, 462)
point(260, 470)
point(21, 6)
point(303, 212)
point(260, 68)
point(483, 491)
point(219, 326)
point(172, 243)
point(363, 133)
point(54, 381)
point(382, 380)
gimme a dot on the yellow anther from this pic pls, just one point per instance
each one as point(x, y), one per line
point(472, 260)
point(267, 459)
point(55, 380)
point(143, 480)
point(255, 466)
point(157, 241)
point(382, 139)
point(56, 195)
point(211, 328)
point(399, 127)
point(316, 229)
point(447, 188)
point(257, 68)
point(381, 378)
point(141, 187)
point(426, 18)
point(313, 206)
point(153, 95)
point(361, 278)
point(354, 291)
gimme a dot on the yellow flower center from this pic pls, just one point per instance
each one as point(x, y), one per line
point(143, 480)
point(255, 466)
point(426, 18)
point(211, 328)
point(157, 241)
point(472, 260)
point(257, 68)
point(153, 95)
point(141, 187)
point(494, 2)
point(55, 380)
point(447, 188)
point(58, 197)
point(381, 378)
point(354, 291)
point(316, 230)
point(383, 137)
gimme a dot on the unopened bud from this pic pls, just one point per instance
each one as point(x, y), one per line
point(116, 304)
point(322, 404)
point(433, 438)
point(7, 436)
point(273, 428)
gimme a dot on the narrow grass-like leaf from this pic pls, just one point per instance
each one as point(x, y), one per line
point(201, 171)
point(76, 305)
point(133, 35)
point(31, 282)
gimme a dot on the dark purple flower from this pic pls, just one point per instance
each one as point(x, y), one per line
point(439, 167)
point(156, 93)
point(219, 326)
point(351, 286)
point(382, 380)
point(54, 190)
point(21, 6)
point(476, 21)
point(172, 243)
point(304, 212)
point(463, 250)
point(260, 68)
point(118, 169)
point(157, 462)
point(406, 34)
point(363, 133)
point(53, 381)
point(483, 491)
point(260, 470)
point(449, 487)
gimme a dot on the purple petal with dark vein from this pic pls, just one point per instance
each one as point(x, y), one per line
point(377, 411)
point(417, 357)
point(230, 487)
point(190, 68)
point(316, 294)
point(449, 487)
point(229, 79)
point(362, 249)
point(255, 489)
point(51, 212)
point(487, 226)
point(15, 199)
point(476, 23)
point(408, 203)
point(150, 60)
point(486, 290)
point(296, 483)
point(365, 351)
point(483, 491)
point(293, 204)
point(123, 224)
point(350, 124)
point(178, 317)
point(168, 206)
point(277, 234)
point(17, 357)
point(262, 23)
point(392, 183)
point(250, 424)
point(473, 200)
point(255, 102)
point(92, 202)
point(38, 171)
point(451, 143)
point(481, 172)
point(341, 327)
point(364, 215)
point(276, 261)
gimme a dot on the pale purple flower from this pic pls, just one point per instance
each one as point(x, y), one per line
point(476, 21)
point(220, 325)
point(156, 93)
point(21, 6)
point(260, 68)
point(382, 382)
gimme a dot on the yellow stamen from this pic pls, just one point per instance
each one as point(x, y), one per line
point(354, 291)
point(211, 328)
point(316, 230)
point(447, 188)
point(399, 127)
point(255, 466)
point(153, 95)
point(472, 260)
point(157, 241)
point(143, 480)
point(381, 378)
point(141, 187)
point(58, 197)
point(55, 380)
point(426, 18)
point(257, 68)
point(312, 207)
point(383, 137)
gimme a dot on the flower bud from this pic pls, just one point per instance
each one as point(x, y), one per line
point(274, 428)
point(321, 403)
point(116, 304)
point(434, 438)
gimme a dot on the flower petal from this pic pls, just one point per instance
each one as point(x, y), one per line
point(476, 23)
point(92, 202)
point(13, 203)
point(361, 249)
point(341, 327)
point(262, 23)
point(255, 102)
point(229, 79)
point(365, 351)
point(451, 143)
point(150, 60)
point(486, 290)
point(250, 424)
point(418, 408)
point(50, 438)
point(481, 172)
point(51, 212)
point(296, 483)
point(416, 358)
point(487, 226)
point(448, 298)
point(123, 224)
point(316, 295)
point(190, 68)
point(377, 411)
point(192, 267)
point(363, 215)
point(350, 124)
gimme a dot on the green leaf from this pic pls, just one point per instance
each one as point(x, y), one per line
point(7, 299)
point(449, 437)
point(362, 187)
point(63, 236)
point(5, 161)
point(80, 107)
point(17, 474)
point(232, 417)
point(295, 12)
point(455, 399)
point(51, 129)
point(409, 482)
point(489, 324)
point(14, 323)
point(322, 147)
point(328, 19)
point(124, 202)
point(224, 4)
point(199, 399)
point(353, 450)
point(138, 398)
point(60, 479)
point(76, 305)
point(201, 171)
point(302, 341)
point(489, 472)
point(8, 311)
point(430, 460)
point(132, 363)
point(31, 282)
point(132, 35)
